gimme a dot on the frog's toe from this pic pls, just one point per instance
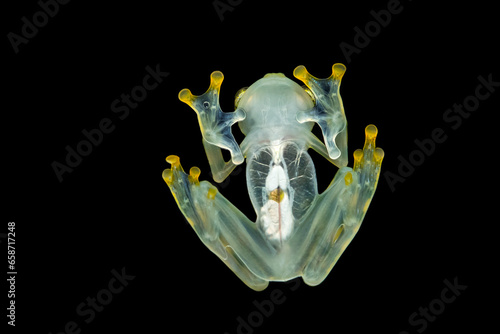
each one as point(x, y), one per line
point(368, 161)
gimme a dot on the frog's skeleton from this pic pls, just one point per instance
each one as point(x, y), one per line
point(298, 232)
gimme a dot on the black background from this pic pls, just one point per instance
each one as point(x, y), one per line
point(114, 211)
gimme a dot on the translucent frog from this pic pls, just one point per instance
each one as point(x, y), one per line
point(298, 232)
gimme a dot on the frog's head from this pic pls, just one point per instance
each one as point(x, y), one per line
point(273, 100)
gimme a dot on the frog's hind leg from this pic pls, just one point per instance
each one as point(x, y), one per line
point(337, 213)
point(224, 229)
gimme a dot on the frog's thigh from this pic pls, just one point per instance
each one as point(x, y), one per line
point(221, 227)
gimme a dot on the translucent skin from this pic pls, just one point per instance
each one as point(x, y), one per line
point(298, 232)
point(273, 102)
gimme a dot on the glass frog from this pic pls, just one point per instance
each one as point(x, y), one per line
point(298, 232)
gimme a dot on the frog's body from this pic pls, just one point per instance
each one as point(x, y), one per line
point(297, 232)
point(276, 151)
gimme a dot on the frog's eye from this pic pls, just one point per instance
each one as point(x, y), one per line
point(310, 93)
point(238, 96)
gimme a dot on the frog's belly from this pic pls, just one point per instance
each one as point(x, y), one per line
point(276, 218)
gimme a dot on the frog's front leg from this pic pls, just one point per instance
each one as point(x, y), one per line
point(221, 227)
point(215, 127)
point(337, 213)
point(328, 111)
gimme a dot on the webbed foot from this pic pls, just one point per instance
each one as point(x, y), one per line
point(328, 111)
point(367, 164)
point(226, 231)
point(215, 124)
point(339, 211)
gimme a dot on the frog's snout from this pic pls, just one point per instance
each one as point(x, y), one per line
point(274, 75)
